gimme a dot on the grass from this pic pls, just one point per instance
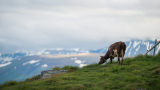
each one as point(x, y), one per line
point(141, 72)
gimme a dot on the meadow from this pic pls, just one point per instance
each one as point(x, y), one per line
point(139, 73)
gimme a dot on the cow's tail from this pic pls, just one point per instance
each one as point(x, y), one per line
point(123, 46)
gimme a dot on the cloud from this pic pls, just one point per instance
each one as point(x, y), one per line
point(82, 65)
point(33, 25)
point(80, 62)
point(44, 65)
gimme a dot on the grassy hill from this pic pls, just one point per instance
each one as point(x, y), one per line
point(139, 73)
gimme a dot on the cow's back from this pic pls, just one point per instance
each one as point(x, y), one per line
point(119, 46)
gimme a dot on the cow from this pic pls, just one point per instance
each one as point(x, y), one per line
point(115, 50)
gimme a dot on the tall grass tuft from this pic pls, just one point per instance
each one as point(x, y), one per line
point(70, 68)
point(67, 67)
point(91, 65)
point(33, 78)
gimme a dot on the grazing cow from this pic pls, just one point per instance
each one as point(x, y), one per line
point(115, 50)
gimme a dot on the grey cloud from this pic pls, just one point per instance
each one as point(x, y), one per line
point(37, 24)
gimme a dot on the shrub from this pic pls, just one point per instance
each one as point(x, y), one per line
point(33, 78)
point(156, 71)
point(56, 68)
point(91, 65)
point(9, 83)
point(70, 68)
point(67, 67)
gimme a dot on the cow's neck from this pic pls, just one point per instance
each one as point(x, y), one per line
point(106, 56)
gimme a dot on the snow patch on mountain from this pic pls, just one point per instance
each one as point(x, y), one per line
point(31, 62)
point(129, 52)
point(147, 44)
point(6, 59)
point(37, 64)
point(135, 43)
point(5, 64)
point(128, 46)
point(137, 49)
point(103, 50)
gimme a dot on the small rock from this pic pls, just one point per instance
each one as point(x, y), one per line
point(49, 73)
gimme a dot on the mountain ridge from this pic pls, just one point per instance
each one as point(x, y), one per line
point(19, 66)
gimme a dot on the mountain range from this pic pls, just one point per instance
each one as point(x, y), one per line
point(21, 65)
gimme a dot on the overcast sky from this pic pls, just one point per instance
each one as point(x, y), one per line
point(32, 25)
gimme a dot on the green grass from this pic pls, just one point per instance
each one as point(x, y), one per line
point(140, 72)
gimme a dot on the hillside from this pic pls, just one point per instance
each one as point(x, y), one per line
point(139, 73)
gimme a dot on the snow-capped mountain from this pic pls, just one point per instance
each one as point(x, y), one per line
point(133, 48)
point(4, 58)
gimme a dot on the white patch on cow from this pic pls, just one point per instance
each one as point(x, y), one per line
point(115, 53)
point(136, 43)
point(128, 46)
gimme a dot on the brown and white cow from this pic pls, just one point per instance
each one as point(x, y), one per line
point(115, 50)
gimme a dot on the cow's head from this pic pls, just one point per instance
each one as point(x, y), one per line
point(101, 60)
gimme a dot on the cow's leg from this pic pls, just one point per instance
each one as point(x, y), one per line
point(118, 60)
point(122, 56)
point(111, 59)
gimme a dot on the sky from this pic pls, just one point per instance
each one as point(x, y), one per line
point(32, 25)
